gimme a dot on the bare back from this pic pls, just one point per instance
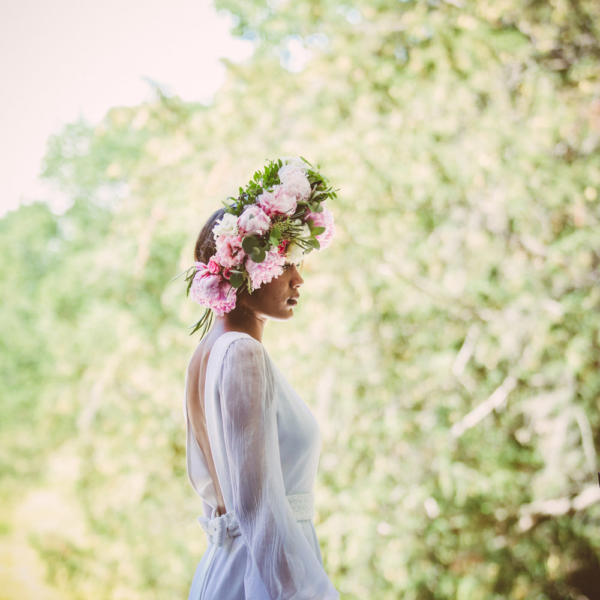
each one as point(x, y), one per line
point(195, 407)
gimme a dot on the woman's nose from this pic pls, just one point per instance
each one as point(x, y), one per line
point(296, 277)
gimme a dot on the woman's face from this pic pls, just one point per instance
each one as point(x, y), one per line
point(273, 299)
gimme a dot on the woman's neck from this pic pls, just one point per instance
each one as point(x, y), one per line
point(240, 320)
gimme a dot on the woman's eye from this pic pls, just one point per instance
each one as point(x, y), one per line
point(290, 265)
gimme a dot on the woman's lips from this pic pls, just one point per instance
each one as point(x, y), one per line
point(292, 301)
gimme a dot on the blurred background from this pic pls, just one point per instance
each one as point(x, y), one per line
point(448, 341)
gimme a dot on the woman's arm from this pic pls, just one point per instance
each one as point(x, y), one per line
point(287, 565)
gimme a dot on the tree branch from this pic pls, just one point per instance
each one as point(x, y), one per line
point(497, 398)
point(531, 514)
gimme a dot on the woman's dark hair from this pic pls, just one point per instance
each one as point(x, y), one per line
point(205, 244)
point(204, 248)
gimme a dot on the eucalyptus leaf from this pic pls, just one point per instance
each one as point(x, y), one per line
point(249, 243)
point(257, 254)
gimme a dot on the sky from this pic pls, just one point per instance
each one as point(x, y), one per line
point(64, 59)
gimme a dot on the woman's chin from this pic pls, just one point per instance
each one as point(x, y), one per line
point(286, 314)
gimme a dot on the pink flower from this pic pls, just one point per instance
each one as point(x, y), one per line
point(254, 220)
point(200, 266)
point(265, 271)
point(213, 292)
point(213, 266)
point(282, 247)
point(278, 201)
point(266, 201)
point(229, 251)
point(323, 219)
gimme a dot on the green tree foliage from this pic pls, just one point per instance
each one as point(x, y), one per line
point(448, 341)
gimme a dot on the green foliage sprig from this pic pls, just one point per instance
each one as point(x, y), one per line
point(267, 178)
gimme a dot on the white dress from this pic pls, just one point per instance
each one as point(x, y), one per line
point(265, 444)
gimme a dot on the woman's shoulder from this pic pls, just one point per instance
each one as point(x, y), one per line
point(240, 338)
point(236, 346)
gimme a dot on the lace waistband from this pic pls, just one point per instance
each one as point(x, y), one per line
point(219, 527)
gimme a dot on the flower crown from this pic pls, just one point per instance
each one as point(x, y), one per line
point(275, 221)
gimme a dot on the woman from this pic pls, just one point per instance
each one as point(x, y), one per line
point(252, 443)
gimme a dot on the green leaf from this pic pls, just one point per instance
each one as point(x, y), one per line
point(249, 243)
point(204, 323)
point(257, 254)
point(236, 279)
point(275, 236)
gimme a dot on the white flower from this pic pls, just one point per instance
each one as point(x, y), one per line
point(294, 162)
point(226, 226)
point(290, 171)
point(294, 253)
point(295, 183)
point(253, 220)
point(294, 168)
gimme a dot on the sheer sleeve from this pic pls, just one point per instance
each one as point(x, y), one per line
point(279, 553)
